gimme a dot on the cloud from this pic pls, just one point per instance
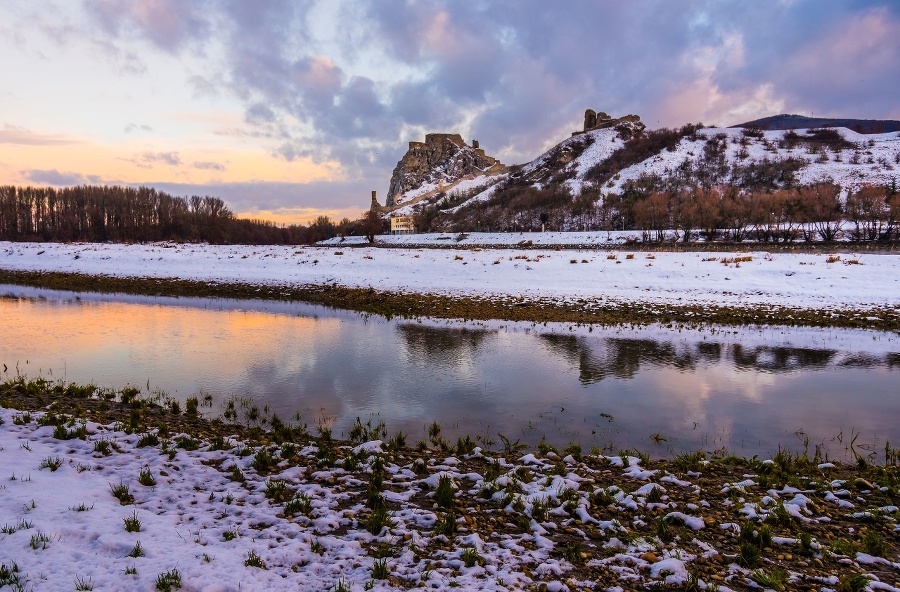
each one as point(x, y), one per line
point(169, 158)
point(209, 166)
point(849, 69)
point(259, 113)
point(168, 24)
point(135, 127)
point(57, 178)
point(10, 134)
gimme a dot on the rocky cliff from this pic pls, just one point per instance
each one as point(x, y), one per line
point(441, 160)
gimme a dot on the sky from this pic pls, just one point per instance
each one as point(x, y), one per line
point(291, 109)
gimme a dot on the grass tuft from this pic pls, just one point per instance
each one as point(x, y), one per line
point(132, 523)
point(874, 544)
point(379, 519)
point(852, 583)
point(471, 557)
point(137, 550)
point(299, 504)
point(168, 581)
point(122, 493)
point(146, 478)
point(254, 560)
point(51, 463)
point(774, 579)
point(38, 541)
point(148, 439)
point(277, 490)
point(379, 569)
point(103, 447)
point(445, 491)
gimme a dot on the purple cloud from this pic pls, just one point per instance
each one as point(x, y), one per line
point(209, 166)
point(169, 158)
point(168, 24)
point(57, 178)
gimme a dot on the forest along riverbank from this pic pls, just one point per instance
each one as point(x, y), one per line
point(167, 498)
point(587, 287)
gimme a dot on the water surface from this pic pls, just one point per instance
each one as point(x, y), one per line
point(660, 390)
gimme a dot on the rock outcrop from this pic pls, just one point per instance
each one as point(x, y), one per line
point(442, 159)
point(600, 120)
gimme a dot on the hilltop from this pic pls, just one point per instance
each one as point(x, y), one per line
point(785, 122)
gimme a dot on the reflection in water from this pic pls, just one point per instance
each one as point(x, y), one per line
point(428, 345)
point(610, 388)
point(622, 357)
point(780, 359)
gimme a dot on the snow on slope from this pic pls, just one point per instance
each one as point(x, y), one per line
point(488, 181)
point(784, 279)
point(885, 148)
point(606, 141)
point(879, 158)
point(878, 162)
point(603, 143)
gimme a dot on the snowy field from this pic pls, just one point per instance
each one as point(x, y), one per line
point(811, 281)
point(113, 511)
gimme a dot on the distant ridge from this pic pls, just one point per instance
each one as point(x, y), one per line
point(786, 122)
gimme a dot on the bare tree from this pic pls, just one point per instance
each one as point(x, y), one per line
point(370, 225)
point(821, 209)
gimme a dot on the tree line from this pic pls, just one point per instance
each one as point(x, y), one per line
point(684, 213)
point(143, 214)
point(810, 213)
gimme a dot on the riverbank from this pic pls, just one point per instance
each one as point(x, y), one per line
point(111, 486)
point(578, 287)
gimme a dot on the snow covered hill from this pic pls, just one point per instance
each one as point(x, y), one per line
point(585, 170)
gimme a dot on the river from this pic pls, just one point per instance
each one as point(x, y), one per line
point(661, 390)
